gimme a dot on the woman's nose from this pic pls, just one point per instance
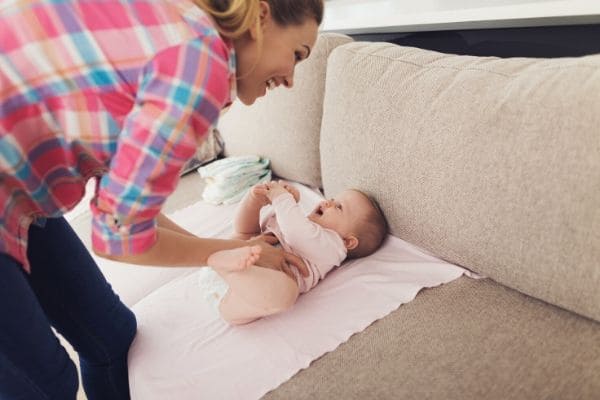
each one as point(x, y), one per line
point(288, 81)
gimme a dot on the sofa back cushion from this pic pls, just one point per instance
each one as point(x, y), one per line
point(493, 164)
point(284, 126)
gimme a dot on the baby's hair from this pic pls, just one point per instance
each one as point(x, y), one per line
point(371, 230)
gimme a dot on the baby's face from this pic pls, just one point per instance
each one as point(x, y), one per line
point(341, 213)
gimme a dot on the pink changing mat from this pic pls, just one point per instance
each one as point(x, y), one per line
point(183, 350)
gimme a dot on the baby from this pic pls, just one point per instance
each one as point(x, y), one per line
point(349, 226)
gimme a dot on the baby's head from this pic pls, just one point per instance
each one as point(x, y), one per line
point(356, 218)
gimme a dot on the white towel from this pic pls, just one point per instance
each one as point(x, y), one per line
point(228, 179)
point(184, 350)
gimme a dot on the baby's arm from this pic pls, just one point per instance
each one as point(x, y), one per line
point(308, 240)
point(247, 220)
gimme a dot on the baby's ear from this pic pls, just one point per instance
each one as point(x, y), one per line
point(351, 242)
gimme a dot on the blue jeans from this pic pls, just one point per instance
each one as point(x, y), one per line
point(67, 291)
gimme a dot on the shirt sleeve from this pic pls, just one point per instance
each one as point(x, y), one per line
point(181, 93)
point(309, 240)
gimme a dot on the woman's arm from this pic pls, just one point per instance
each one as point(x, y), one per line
point(164, 222)
point(160, 133)
point(176, 246)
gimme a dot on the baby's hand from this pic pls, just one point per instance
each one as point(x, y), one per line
point(271, 190)
point(291, 190)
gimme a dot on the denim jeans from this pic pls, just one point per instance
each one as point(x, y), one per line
point(67, 291)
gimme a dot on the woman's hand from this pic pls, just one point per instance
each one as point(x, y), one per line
point(278, 259)
point(266, 237)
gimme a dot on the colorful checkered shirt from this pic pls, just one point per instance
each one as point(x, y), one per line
point(122, 89)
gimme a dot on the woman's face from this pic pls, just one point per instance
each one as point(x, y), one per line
point(273, 65)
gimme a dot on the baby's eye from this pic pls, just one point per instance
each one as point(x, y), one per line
point(298, 56)
point(338, 206)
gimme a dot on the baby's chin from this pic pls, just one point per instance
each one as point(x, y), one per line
point(314, 218)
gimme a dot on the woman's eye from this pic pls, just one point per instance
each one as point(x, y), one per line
point(339, 206)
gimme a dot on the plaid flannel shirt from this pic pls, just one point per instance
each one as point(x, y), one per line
point(120, 89)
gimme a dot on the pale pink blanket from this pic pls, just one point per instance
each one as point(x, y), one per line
point(183, 350)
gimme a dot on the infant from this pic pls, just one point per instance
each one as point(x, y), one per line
point(349, 226)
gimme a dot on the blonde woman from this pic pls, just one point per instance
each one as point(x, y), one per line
point(121, 91)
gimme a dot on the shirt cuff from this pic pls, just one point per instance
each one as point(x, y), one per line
point(110, 236)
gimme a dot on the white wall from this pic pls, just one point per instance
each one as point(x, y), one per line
point(378, 16)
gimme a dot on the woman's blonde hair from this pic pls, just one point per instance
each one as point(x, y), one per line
point(236, 17)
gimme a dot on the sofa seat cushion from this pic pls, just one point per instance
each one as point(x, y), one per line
point(464, 340)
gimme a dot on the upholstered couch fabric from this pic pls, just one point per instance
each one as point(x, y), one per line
point(493, 164)
point(490, 163)
point(284, 126)
point(467, 340)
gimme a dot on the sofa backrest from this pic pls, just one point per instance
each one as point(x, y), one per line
point(284, 126)
point(493, 164)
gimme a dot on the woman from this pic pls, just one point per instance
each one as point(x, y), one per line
point(123, 91)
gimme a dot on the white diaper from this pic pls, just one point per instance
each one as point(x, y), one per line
point(212, 287)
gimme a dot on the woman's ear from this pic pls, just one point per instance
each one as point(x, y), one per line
point(264, 16)
point(351, 242)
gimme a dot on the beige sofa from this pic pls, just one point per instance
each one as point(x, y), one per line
point(492, 164)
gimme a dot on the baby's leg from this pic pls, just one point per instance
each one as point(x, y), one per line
point(246, 222)
point(254, 292)
point(234, 259)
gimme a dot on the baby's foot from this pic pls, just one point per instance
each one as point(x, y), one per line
point(235, 259)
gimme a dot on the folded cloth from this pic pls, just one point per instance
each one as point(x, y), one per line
point(183, 349)
point(228, 179)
